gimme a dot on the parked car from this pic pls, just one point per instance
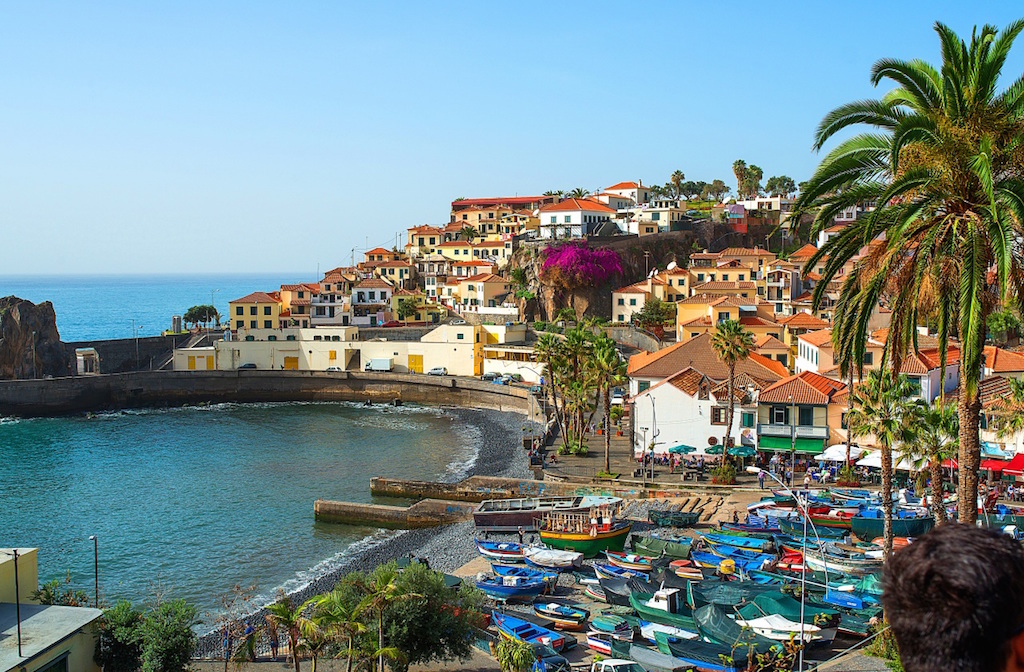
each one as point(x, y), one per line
point(618, 396)
point(247, 365)
point(512, 378)
point(457, 322)
point(333, 369)
point(490, 375)
point(391, 324)
point(552, 660)
point(438, 371)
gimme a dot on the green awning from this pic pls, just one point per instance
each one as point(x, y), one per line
point(806, 446)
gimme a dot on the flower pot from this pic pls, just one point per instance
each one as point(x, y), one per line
point(600, 432)
point(618, 432)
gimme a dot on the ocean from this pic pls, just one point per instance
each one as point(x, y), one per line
point(97, 307)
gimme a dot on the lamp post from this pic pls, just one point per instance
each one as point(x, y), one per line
point(792, 436)
point(17, 599)
point(96, 568)
point(643, 456)
point(802, 503)
point(135, 334)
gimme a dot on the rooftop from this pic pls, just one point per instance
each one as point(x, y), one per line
point(804, 388)
point(42, 628)
point(698, 353)
point(574, 204)
point(256, 297)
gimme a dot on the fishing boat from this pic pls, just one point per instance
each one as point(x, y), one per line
point(600, 642)
point(665, 606)
point(589, 533)
point(666, 518)
point(748, 543)
point(649, 630)
point(771, 604)
point(704, 656)
point(744, 558)
point(511, 627)
point(547, 558)
point(549, 578)
point(508, 515)
point(595, 592)
point(843, 495)
point(780, 629)
point(564, 616)
point(648, 658)
point(834, 518)
point(612, 624)
point(762, 528)
point(510, 588)
point(686, 569)
point(820, 561)
point(653, 546)
point(870, 523)
point(500, 551)
point(604, 571)
point(713, 623)
point(640, 563)
point(795, 528)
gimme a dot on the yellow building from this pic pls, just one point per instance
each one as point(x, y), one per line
point(456, 250)
point(295, 304)
point(485, 289)
point(426, 311)
point(423, 240)
point(700, 314)
point(258, 310)
point(52, 637)
point(399, 273)
point(518, 223)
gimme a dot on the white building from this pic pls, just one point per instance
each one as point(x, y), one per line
point(573, 218)
point(635, 191)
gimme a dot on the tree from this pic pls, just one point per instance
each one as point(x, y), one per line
point(934, 433)
point(698, 189)
point(1001, 324)
point(579, 192)
point(554, 192)
point(573, 266)
point(611, 372)
point(408, 308)
point(881, 409)
point(518, 278)
point(381, 589)
point(336, 613)
point(752, 183)
point(717, 190)
point(284, 615)
point(167, 636)
point(943, 165)
point(468, 234)
point(514, 655)
point(1008, 410)
point(782, 185)
point(61, 593)
point(739, 169)
point(118, 648)
point(677, 180)
point(654, 315)
point(732, 344)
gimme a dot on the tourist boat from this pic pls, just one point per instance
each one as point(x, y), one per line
point(665, 606)
point(500, 551)
point(600, 642)
point(510, 588)
point(686, 569)
point(655, 547)
point(511, 627)
point(564, 616)
point(508, 515)
point(549, 578)
point(871, 522)
point(640, 563)
point(604, 571)
point(665, 518)
point(548, 558)
point(749, 543)
point(704, 656)
point(649, 630)
point(588, 533)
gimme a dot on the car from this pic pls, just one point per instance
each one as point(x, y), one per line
point(511, 378)
point(618, 396)
point(391, 324)
point(552, 661)
point(333, 369)
point(457, 322)
point(438, 371)
point(490, 375)
point(247, 365)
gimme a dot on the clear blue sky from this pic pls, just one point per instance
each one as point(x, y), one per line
point(254, 137)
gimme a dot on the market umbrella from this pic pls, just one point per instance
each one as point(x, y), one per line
point(742, 451)
point(714, 450)
point(681, 449)
point(837, 453)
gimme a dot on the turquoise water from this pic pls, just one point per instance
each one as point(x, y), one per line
point(99, 307)
point(194, 500)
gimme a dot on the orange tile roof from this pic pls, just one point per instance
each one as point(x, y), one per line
point(379, 250)
point(817, 338)
point(756, 321)
point(802, 320)
point(1002, 361)
point(804, 388)
point(772, 365)
point(688, 380)
point(573, 204)
point(425, 228)
point(705, 255)
point(769, 342)
point(637, 288)
point(709, 299)
point(725, 285)
point(623, 185)
point(813, 276)
point(397, 263)
point(474, 262)
point(698, 353)
point(455, 243)
point(698, 322)
point(805, 252)
point(373, 283)
point(256, 297)
point(746, 252)
point(484, 277)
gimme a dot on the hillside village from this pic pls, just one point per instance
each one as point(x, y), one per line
point(457, 298)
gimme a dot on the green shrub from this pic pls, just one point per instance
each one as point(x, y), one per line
point(724, 474)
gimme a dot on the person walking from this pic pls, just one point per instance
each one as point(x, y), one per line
point(760, 479)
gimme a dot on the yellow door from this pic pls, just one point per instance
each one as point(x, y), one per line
point(416, 363)
point(291, 363)
point(191, 362)
point(209, 362)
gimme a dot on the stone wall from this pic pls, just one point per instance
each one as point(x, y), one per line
point(119, 355)
point(635, 338)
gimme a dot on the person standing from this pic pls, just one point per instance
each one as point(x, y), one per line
point(275, 643)
point(520, 534)
point(760, 479)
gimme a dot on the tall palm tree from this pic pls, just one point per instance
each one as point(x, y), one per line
point(739, 169)
point(676, 181)
point(944, 167)
point(934, 431)
point(732, 344)
point(579, 192)
point(881, 408)
point(283, 614)
point(611, 372)
point(340, 618)
point(381, 590)
point(550, 352)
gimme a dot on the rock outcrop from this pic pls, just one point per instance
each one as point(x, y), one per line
point(30, 345)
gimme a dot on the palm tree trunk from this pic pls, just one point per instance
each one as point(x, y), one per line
point(350, 654)
point(969, 411)
point(294, 643)
point(380, 639)
point(607, 429)
point(887, 499)
point(728, 416)
point(849, 406)
point(935, 469)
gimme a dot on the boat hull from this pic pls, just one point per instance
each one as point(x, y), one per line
point(658, 547)
point(508, 515)
point(867, 529)
point(589, 546)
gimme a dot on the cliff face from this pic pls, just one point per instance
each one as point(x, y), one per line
point(28, 330)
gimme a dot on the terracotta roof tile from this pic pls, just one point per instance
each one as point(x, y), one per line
point(573, 204)
point(755, 321)
point(623, 185)
point(373, 283)
point(746, 252)
point(769, 342)
point(802, 320)
point(698, 322)
point(772, 365)
point(724, 285)
point(637, 288)
point(817, 338)
point(804, 388)
point(1002, 361)
point(378, 250)
point(805, 252)
point(698, 353)
point(256, 297)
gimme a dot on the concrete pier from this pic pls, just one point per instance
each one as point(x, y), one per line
point(425, 513)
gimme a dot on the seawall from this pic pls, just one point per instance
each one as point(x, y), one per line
point(425, 513)
point(79, 394)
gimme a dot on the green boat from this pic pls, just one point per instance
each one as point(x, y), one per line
point(713, 623)
point(667, 606)
point(673, 518)
point(656, 548)
point(869, 528)
point(785, 606)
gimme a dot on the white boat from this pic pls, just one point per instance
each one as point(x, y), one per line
point(647, 630)
point(550, 558)
point(780, 628)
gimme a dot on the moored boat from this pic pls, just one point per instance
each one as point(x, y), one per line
point(564, 616)
point(508, 515)
point(604, 571)
point(640, 563)
point(749, 543)
point(613, 624)
point(500, 551)
point(665, 606)
point(686, 569)
point(655, 547)
point(511, 627)
point(780, 629)
point(600, 642)
point(549, 578)
point(665, 518)
point(870, 524)
point(510, 588)
point(547, 558)
point(704, 656)
point(589, 534)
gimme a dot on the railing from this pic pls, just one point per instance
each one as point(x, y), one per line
point(786, 431)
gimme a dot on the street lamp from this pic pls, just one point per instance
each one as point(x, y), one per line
point(96, 567)
point(802, 503)
point(135, 334)
point(643, 456)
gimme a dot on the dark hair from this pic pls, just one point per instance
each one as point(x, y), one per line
point(954, 599)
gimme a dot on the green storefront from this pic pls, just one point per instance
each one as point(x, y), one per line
point(785, 445)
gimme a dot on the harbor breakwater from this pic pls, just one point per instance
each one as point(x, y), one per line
point(142, 389)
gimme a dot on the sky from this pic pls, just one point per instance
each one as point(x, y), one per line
point(245, 137)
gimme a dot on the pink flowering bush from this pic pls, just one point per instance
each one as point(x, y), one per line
point(574, 266)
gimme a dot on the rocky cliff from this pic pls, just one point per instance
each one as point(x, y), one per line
point(28, 331)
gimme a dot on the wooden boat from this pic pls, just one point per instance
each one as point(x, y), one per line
point(500, 551)
point(713, 623)
point(588, 533)
point(648, 658)
point(595, 592)
point(665, 518)
point(833, 519)
point(510, 588)
point(686, 569)
point(640, 563)
point(749, 543)
point(547, 558)
point(744, 558)
point(704, 656)
point(870, 524)
point(795, 528)
point(649, 631)
point(600, 642)
point(843, 495)
point(759, 529)
point(665, 606)
point(611, 624)
point(564, 616)
point(655, 547)
point(508, 515)
point(549, 578)
point(780, 629)
point(604, 571)
point(821, 562)
point(511, 627)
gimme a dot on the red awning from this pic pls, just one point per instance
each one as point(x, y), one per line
point(995, 466)
point(950, 464)
point(1015, 467)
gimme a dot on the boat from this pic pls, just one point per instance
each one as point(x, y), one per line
point(870, 523)
point(587, 533)
point(547, 558)
point(510, 627)
point(655, 547)
point(600, 642)
point(713, 623)
point(611, 624)
point(724, 593)
point(749, 543)
point(834, 518)
point(510, 588)
point(779, 604)
point(666, 518)
point(819, 561)
point(649, 630)
point(501, 551)
point(704, 656)
point(640, 563)
point(595, 592)
point(649, 659)
point(686, 569)
point(564, 616)
point(550, 578)
point(794, 527)
point(604, 571)
point(508, 515)
point(844, 495)
point(758, 529)
point(744, 558)
point(666, 606)
point(780, 629)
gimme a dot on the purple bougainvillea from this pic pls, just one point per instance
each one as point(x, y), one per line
point(574, 266)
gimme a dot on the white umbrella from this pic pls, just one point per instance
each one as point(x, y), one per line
point(837, 453)
point(874, 460)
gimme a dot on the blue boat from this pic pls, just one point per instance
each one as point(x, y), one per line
point(511, 588)
point(794, 527)
point(500, 551)
point(760, 527)
point(746, 563)
point(606, 571)
point(550, 578)
point(748, 543)
point(511, 627)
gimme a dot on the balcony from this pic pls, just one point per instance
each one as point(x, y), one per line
point(786, 431)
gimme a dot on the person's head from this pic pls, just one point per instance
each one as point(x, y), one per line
point(955, 601)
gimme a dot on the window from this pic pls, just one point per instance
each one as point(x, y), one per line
point(252, 310)
point(632, 302)
point(373, 296)
point(239, 324)
point(252, 324)
point(725, 277)
point(431, 241)
point(806, 418)
point(718, 416)
point(780, 415)
point(869, 358)
point(622, 301)
point(741, 277)
point(746, 419)
point(622, 318)
point(266, 310)
point(554, 219)
point(642, 385)
point(490, 215)
point(239, 310)
point(783, 359)
point(568, 219)
point(655, 216)
point(723, 317)
point(700, 277)
point(460, 337)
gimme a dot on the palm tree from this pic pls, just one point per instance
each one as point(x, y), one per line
point(1008, 411)
point(739, 169)
point(732, 343)
point(381, 590)
point(549, 351)
point(881, 408)
point(340, 618)
point(611, 372)
point(554, 192)
point(677, 178)
point(514, 655)
point(468, 234)
point(579, 192)
point(944, 168)
point(935, 430)
point(283, 615)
